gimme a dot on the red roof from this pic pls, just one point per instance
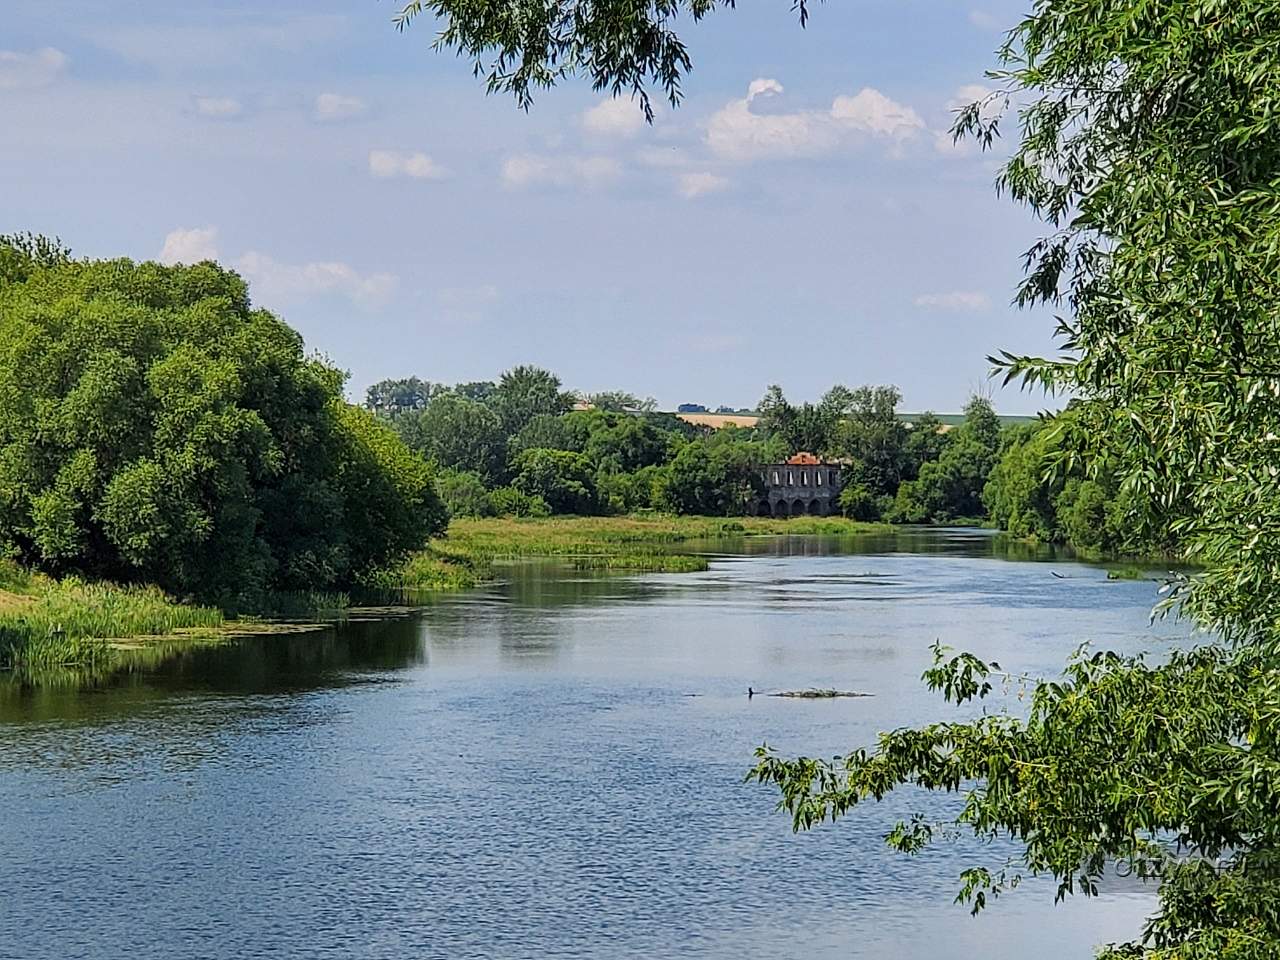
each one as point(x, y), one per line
point(805, 458)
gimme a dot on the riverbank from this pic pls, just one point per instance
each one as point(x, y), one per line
point(46, 622)
point(466, 555)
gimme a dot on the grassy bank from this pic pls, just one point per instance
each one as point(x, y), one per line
point(637, 544)
point(46, 622)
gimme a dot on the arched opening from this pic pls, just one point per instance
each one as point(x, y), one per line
point(780, 509)
point(797, 508)
point(815, 508)
point(763, 509)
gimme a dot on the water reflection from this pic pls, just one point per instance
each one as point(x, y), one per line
point(551, 766)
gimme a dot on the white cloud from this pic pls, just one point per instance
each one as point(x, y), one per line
point(218, 108)
point(532, 169)
point(282, 283)
point(39, 68)
point(331, 107)
point(385, 164)
point(954, 300)
point(190, 245)
point(871, 111)
point(615, 117)
point(737, 132)
point(696, 184)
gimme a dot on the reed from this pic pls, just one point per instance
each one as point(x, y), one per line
point(46, 622)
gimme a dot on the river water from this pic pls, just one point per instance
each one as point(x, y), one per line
point(548, 767)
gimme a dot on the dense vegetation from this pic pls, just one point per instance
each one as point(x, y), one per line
point(517, 447)
point(156, 428)
point(1038, 491)
point(1149, 146)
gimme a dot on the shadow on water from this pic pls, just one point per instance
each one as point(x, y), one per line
point(353, 652)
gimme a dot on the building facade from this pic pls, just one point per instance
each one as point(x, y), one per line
point(803, 486)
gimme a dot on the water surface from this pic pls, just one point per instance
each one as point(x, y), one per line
point(548, 767)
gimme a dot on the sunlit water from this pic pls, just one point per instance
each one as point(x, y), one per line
point(549, 767)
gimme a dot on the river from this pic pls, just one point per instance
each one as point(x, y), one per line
point(551, 766)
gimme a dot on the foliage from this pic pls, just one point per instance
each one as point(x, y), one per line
point(1149, 147)
point(463, 493)
point(155, 428)
point(951, 486)
point(513, 502)
point(564, 480)
point(872, 436)
point(524, 393)
point(458, 434)
point(716, 476)
point(619, 401)
point(396, 397)
point(857, 502)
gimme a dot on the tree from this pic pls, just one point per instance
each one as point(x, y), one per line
point(924, 442)
point(716, 476)
point(561, 478)
point(155, 428)
point(1020, 493)
point(1149, 146)
point(551, 432)
point(394, 397)
point(619, 401)
point(525, 392)
point(871, 435)
point(458, 434)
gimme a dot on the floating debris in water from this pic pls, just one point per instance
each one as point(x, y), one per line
point(810, 694)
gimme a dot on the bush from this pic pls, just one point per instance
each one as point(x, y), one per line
point(559, 477)
point(857, 502)
point(463, 493)
point(510, 502)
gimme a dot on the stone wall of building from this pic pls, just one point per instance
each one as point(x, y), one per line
point(804, 486)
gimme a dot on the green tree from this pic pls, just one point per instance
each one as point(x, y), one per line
point(924, 442)
point(550, 431)
point(525, 392)
point(715, 476)
point(464, 493)
point(870, 434)
point(561, 478)
point(155, 428)
point(394, 397)
point(1020, 494)
point(458, 434)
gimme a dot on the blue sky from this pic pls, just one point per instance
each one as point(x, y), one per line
point(801, 219)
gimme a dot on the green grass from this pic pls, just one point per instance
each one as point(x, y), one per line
point(466, 555)
point(46, 622)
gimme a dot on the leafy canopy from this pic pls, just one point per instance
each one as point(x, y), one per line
point(155, 427)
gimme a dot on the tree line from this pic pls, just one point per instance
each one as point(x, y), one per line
point(517, 446)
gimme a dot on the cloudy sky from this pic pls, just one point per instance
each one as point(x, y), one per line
point(802, 219)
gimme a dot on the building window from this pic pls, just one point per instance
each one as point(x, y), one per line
point(804, 478)
point(833, 477)
point(790, 478)
point(775, 478)
point(818, 474)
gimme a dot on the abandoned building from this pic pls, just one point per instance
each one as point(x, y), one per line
point(803, 486)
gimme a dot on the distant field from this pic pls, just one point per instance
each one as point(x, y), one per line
point(718, 420)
